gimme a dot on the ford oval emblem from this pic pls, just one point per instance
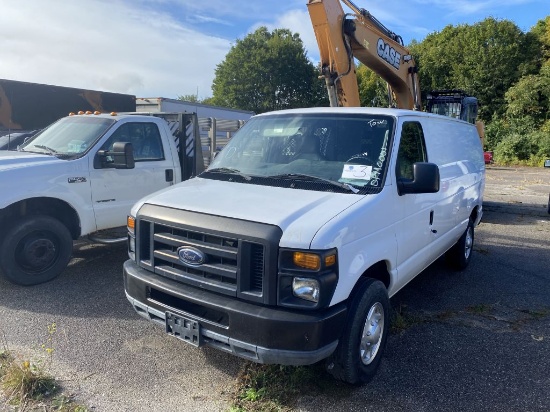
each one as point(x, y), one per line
point(191, 256)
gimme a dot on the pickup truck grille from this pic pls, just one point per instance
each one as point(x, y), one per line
point(235, 264)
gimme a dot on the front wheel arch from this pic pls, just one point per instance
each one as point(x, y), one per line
point(44, 206)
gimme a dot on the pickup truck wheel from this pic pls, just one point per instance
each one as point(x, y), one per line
point(460, 254)
point(362, 344)
point(35, 250)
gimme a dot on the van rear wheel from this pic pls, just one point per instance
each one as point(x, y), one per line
point(36, 249)
point(460, 254)
point(363, 340)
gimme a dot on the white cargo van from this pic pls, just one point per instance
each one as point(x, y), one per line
point(288, 247)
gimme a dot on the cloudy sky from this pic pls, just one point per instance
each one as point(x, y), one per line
point(167, 48)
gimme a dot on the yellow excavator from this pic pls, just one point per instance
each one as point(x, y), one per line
point(341, 37)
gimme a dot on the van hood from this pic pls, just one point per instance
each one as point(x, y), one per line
point(14, 160)
point(299, 213)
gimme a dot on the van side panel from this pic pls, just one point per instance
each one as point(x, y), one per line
point(456, 148)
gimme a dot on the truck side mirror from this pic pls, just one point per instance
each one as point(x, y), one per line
point(120, 157)
point(425, 180)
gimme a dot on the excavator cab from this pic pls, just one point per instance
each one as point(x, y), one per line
point(453, 103)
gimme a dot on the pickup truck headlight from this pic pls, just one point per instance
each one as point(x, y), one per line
point(131, 225)
point(307, 278)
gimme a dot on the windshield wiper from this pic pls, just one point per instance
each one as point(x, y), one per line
point(229, 171)
point(301, 176)
point(49, 149)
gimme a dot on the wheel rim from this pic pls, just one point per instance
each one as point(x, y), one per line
point(37, 252)
point(469, 241)
point(373, 330)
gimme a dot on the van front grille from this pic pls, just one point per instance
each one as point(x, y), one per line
point(234, 264)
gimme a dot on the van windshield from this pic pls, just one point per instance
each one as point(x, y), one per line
point(346, 149)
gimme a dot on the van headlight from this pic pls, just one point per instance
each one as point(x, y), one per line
point(306, 288)
point(307, 278)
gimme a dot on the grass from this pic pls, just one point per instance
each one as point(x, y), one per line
point(480, 309)
point(24, 381)
point(537, 314)
point(481, 250)
point(402, 320)
point(277, 388)
point(26, 385)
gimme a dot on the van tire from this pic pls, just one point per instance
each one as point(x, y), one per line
point(35, 249)
point(357, 358)
point(459, 256)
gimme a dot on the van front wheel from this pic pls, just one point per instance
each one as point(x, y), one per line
point(361, 346)
point(460, 254)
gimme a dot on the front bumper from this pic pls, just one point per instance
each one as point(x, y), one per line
point(263, 334)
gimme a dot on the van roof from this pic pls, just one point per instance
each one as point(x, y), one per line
point(361, 110)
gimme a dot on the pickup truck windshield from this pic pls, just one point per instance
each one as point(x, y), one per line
point(350, 149)
point(69, 136)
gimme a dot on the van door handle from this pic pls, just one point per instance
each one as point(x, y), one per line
point(432, 221)
point(169, 173)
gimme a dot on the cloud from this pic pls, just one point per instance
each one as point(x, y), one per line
point(235, 10)
point(106, 46)
point(298, 21)
point(122, 82)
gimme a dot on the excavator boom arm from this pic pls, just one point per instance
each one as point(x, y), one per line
point(363, 37)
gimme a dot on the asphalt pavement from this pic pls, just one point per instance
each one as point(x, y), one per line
point(477, 340)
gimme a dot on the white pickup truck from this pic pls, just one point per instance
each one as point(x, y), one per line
point(81, 175)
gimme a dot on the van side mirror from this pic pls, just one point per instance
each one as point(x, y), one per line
point(425, 180)
point(120, 157)
point(547, 163)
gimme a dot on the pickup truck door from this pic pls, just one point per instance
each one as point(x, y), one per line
point(114, 191)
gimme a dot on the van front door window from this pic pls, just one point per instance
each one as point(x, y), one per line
point(412, 149)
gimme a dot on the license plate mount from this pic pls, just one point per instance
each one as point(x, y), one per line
point(183, 328)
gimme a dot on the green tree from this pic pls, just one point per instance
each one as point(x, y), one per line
point(267, 71)
point(541, 31)
point(484, 59)
point(530, 97)
point(208, 100)
point(193, 98)
point(373, 90)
